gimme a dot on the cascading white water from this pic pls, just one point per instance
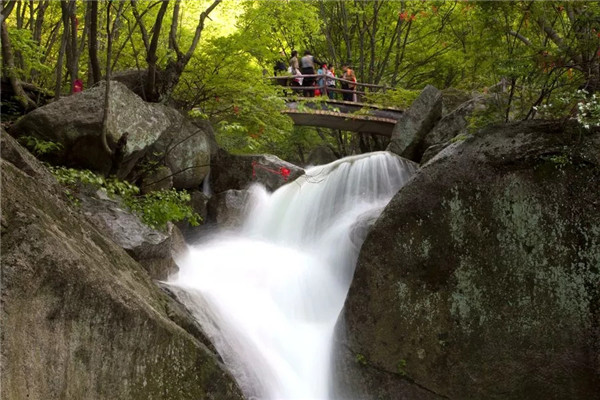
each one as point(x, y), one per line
point(269, 295)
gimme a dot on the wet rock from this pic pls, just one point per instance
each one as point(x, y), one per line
point(481, 277)
point(230, 171)
point(227, 209)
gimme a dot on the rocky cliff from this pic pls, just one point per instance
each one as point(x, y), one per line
point(80, 318)
point(481, 279)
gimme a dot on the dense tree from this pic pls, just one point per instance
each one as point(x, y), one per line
point(211, 56)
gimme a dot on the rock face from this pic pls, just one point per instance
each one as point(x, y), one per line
point(454, 124)
point(481, 279)
point(230, 171)
point(76, 122)
point(415, 123)
point(155, 250)
point(184, 148)
point(82, 319)
point(136, 80)
point(14, 153)
point(159, 179)
point(226, 209)
point(159, 131)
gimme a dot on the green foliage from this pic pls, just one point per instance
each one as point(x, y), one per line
point(401, 367)
point(361, 359)
point(543, 51)
point(244, 108)
point(40, 147)
point(155, 208)
point(72, 177)
point(459, 138)
point(29, 52)
point(158, 208)
point(400, 98)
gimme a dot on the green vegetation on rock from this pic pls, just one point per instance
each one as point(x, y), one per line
point(155, 208)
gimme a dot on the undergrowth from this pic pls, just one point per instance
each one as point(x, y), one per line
point(154, 209)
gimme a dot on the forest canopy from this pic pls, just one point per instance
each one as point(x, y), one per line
point(210, 57)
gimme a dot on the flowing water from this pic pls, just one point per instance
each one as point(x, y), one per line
point(269, 295)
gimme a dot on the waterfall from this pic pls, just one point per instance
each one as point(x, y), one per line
point(268, 296)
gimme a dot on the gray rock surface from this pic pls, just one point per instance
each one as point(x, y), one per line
point(153, 130)
point(159, 179)
point(16, 154)
point(80, 318)
point(453, 124)
point(230, 171)
point(155, 250)
point(135, 80)
point(410, 130)
point(481, 278)
point(76, 122)
point(184, 148)
point(227, 209)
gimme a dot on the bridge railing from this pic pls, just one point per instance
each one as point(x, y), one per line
point(284, 81)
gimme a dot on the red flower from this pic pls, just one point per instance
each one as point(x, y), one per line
point(236, 110)
point(284, 172)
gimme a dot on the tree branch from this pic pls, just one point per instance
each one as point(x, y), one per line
point(520, 37)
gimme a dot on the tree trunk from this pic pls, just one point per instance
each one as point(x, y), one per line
point(151, 58)
point(9, 70)
point(70, 32)
point(107, 91)
point(93, 42)
point(59, 67)
point(174, 69)
point(109, 37)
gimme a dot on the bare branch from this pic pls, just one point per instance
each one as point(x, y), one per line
point(520, 37)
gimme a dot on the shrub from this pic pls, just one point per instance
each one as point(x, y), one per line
point(155, 209)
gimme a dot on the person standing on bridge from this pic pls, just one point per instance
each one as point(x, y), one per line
point(307, 67)
point(295, 69)
point(349, 76)
point(329, 81)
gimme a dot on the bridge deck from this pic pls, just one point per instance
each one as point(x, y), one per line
point(339, 114)
point(343, 121)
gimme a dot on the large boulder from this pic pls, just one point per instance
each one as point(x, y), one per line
point(184, 147)
point(481, 278)
point(135, 80)
point(136, 129)
point(455, 123)
point(155, 250)
point(76, 123)
point(227, 209)
point(410, 130)
point(14, 153)
point(80, 318)
point(160, 178)
point(229, 171)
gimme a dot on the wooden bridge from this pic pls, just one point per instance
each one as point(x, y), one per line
point(339, 114)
